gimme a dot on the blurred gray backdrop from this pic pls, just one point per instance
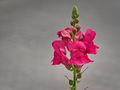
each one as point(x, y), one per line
point(27, 28)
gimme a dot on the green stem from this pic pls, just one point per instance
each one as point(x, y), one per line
point(74, 79)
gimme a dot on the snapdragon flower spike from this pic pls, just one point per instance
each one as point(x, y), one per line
point(79, 45)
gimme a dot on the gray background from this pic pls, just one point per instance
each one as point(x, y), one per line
point(27, 28)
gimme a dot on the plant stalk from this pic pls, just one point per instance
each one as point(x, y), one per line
point(74, 80)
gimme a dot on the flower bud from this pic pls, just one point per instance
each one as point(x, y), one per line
point(75, 12)
point(73, 17)
point(78, 70)
point(72, 23)
point(79, 75)
point(76, 20)
point(70, 82)
point(77, 15)
point(69, 67)
point(78, 28)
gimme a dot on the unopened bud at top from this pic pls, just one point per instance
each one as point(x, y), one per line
point(75, 13)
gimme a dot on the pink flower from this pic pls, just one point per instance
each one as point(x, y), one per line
point(78, 53)
point(88, 40)
point(65, 33)
point(59, 53)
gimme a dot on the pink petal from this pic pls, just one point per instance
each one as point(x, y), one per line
point(86, 60)
point(59, 53)
point(64, 60)
point(80, 60)
point(59, 46)
point(79, 45)
point(76, 56)
point(92, 48)
point(78, 35)
point(56, 60)
point(89, 35)
point(60, 59)
point(65, 33)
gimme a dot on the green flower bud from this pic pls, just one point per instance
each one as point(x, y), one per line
point(73, 17)
point(77, 16)
point(70, 82)
point(79, 75)
point(76, 20)
point(69, 67)
point(72, 23)
point(78, 27)
point(78, 70)
point(75, 12)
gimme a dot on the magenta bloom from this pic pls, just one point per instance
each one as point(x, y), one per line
point(59, 53)
point(65, 33)
point(88, 40)
point(78, 53)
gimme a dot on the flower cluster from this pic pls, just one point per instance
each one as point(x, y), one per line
point(77, 43)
